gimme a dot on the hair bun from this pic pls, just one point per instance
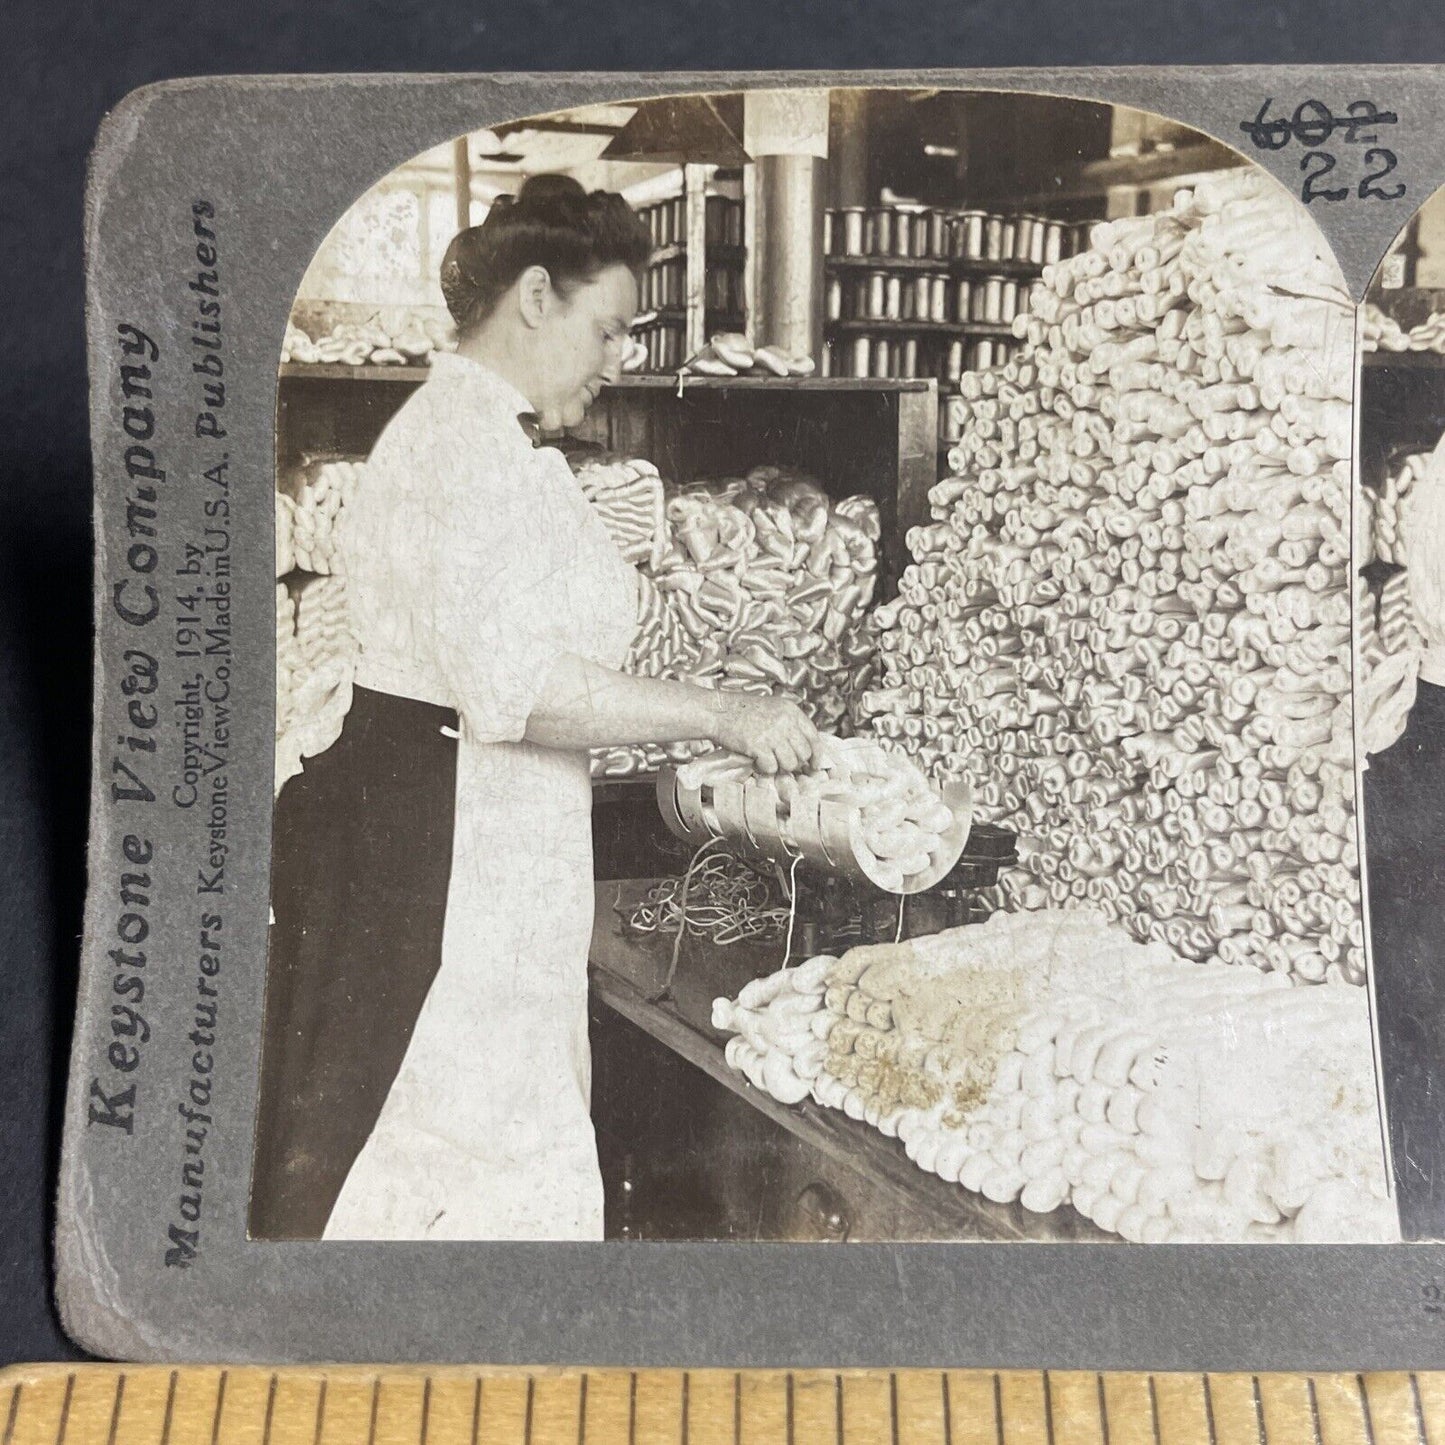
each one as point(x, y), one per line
point(460, 270)
point(542, 190)
point(551, 221)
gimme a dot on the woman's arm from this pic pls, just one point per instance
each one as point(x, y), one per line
point(585, 705)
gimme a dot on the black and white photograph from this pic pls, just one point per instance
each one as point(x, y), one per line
point(1399, 539)
point(827, 643)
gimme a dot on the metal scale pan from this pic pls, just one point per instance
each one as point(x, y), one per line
point(747, 811)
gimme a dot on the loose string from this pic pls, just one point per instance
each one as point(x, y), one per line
point(728, 902)
point(792, 906)
point(682, 915)
point(733, 909)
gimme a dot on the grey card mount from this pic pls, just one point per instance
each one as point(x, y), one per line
point(844, 768)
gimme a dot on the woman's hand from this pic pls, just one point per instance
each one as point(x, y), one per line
point(775, 733)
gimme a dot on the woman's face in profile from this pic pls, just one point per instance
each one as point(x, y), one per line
point(586, 336)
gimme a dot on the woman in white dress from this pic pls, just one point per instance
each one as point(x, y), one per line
point(426, 1071)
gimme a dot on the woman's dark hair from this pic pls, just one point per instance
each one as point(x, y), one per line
point(551, 221)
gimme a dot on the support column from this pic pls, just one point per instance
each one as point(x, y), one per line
point(786, 133)
point(848, 148)
point(462, 181)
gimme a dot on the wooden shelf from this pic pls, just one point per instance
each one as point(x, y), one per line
point(337, 371)
point(1095, 179)
point(1415, 360)
point(615, 790)
point(875, 436)
point(712, 255)
point(677, 316)
point(835, 384)
point(957, 265)
point(925, 328)
point(1158, 165)
point(642, 381)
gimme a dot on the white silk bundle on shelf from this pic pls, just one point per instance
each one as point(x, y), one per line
point(316, 650)
point(1381, 332)
point(757, 584)
point(369, 343)
point(1402, 617)
point(1423, 557)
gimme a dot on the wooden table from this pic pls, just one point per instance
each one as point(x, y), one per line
point(628, 972)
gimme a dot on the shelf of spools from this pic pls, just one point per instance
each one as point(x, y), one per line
point(682, 300)
point(916, 291)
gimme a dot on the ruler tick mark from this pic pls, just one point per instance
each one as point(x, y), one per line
point(320, 1409)
point(1259, 1412)
point(1154, 1410)
point(1103, 1410)
point(170, 1408)
point(582, 1409)
point(998, 1407)
point(270, 1411)
point(115, 1409)
point(476, 1410)
point(65, 1408)
point(838, 1406)
point(686, 1402)
point(1365, 1406)
point(1048, 1409)
point(789, 1409)
point(947, 1413)
point(1209, 1410)
point(13, 1413)
point(1414, 1396)
point(220, 1405)
point(737, 1409)
point(531, 1396)
point(1314, 1410)
point(425, 1408)
point(893, 1404)
point(375, 1403)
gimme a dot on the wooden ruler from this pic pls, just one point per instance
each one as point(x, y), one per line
point(356, 1405)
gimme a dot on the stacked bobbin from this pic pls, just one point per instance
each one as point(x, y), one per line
point(1129, 622)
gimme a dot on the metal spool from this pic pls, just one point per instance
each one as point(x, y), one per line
point(746, 811)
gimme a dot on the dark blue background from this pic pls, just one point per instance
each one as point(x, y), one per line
point(62, 65)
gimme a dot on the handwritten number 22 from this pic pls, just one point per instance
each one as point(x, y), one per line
point(1323, 163)
point(1316, 165)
